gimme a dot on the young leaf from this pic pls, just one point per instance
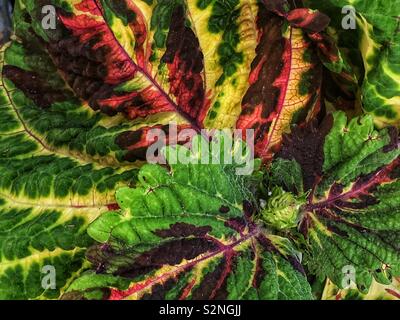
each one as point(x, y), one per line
point(287, 173)
point(351, 218)
point(188, 232)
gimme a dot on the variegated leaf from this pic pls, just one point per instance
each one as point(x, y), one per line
point(372, 47)
point(377, 291)
point(285, 81)
point(202, 64)
point(147, 59)
point(351, 216)
point(59, 167)
point(188, 232)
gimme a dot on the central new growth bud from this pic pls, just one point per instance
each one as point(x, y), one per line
point(282, 209)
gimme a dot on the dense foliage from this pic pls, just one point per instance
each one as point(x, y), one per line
point(77, 103)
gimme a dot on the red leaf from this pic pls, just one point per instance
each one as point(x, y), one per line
point(285, 88)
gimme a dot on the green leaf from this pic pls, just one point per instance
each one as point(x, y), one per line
point(351, 220)
point(189, 232)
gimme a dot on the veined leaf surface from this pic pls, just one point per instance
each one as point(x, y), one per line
point(351, 218)
point(77, 103)
point(285, 80)
point(144, 58)
point(189, 232)
point(61, 162)
point(59, 167)
point(202, 64)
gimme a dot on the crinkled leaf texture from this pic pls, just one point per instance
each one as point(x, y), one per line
point(352, 216)
point(77, 102)
point(188, 232)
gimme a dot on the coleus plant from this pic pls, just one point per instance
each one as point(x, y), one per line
point(189, 232)
point(77, 103)
point(194, 231)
